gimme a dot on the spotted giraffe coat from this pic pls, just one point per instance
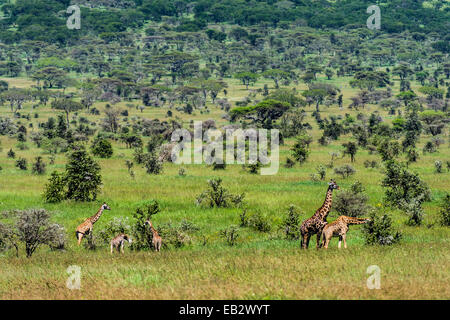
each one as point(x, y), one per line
point(317, 222)
point(339, 229)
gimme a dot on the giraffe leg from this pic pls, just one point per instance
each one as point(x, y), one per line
point(80, 236)
point(340, 240)
point(327, 242)
point(121, 247)
point(318, 239)
point(344, 237)
point(307, 241)
point(111, 248)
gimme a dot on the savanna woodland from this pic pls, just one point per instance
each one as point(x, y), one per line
point(87, 115)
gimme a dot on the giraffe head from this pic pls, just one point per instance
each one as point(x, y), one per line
point(105, 206)
point(148, 222)
point(127, 237)
point(333, 185)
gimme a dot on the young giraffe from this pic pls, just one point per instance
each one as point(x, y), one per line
point(156, 239)
point(317, 222)
point(339, 228)
point(86, 227)
point(118, 242)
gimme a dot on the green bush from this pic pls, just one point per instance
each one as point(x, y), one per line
point(102, 148)
point(379, 230)
point(445, 211)
point(292, 223)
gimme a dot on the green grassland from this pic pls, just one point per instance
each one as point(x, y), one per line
point(261, 265)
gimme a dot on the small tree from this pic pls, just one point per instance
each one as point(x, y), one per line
point(38, 166)
point(218, 196)
point(300, 150)
point(292, 223)
point(379, 230)
point(345, 171)
point(141, 232)
point(402, 185)
point(55, 189)
point(82, 176)
point(352, 203)
point(350, 148)
point(33, 228)
point(445, 211)
point(230, 235)
point(21, 163)
point(152, 163)
point(102, 148)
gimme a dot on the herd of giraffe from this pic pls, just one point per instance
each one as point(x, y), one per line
point(317, 224)
point(117, 242)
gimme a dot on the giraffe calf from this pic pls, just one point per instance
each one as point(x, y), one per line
point(339, 229)
point(118, 242)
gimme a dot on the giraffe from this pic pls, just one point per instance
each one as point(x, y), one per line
point(315, 224)
point(156, 239)
point(339, 228)
point(118, 241)
point(86, 227)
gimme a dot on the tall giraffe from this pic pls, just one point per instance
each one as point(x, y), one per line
point(339, 229)
point(156, 239)
point(317, 222)
point(86, 227)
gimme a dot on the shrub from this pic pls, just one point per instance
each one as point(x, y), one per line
point(174, 236)
point(289, 163)
point(33, 228)
point(21, 163)
point(403, 185)
point(82, 176)
point(345, 171)
point(230, 235)
point(438, 166)
point(152, 163)
point(55, 188)
point(38, 166)
point(429, 147)
point(141, 232)
point(11, 154)
point(292, 223)
point(182, 172)
point(81, 180)
point(370, 164)
point(352, 203)
point(300, 150)
point(379, 230)
point(91, 242)
point(102, 148)
point(321, 171)
point(258, 222)
point(445, 211)
point(217, 196)
point(413, 208)
point(114, 228)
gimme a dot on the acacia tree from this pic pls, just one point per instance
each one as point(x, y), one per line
point(247, 78)
point(66, 105)
point(16, 98)
point(263, 113)
point(276, 75)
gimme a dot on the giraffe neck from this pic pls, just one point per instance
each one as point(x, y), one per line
point(326, 206)
point(153, 230)
point(96, 216)
point(355, 221)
